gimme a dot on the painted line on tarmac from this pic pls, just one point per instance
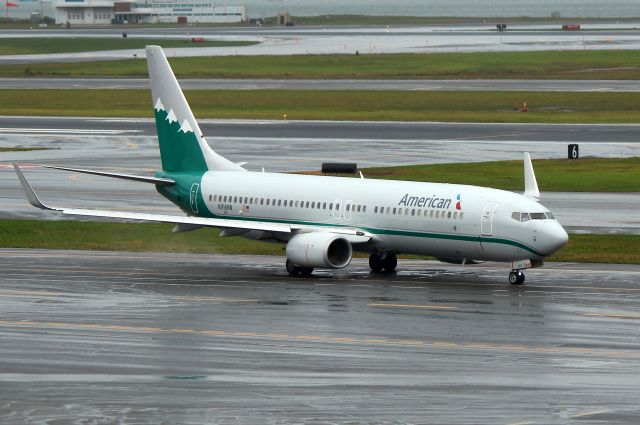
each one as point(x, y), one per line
point(427, 307)
point(614, 316)
point(28, 324)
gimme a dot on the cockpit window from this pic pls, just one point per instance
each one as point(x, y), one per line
point(522, 216)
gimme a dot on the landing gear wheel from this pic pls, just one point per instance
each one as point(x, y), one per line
point(375, 262)
point(516, 277)
point(292, 269)
point(390, 262)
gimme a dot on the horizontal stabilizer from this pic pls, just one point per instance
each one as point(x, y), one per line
point(144, 179)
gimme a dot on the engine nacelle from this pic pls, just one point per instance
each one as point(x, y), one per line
point(318, 249)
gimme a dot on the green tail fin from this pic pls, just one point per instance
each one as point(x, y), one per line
point(182, 144)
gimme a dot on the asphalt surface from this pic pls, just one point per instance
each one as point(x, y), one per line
point(344, 40)
point(91, 337)
point(129, 145)
point(346, 84)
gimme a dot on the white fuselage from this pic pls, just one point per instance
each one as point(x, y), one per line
point(442, 220)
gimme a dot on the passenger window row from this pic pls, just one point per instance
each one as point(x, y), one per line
point(416, 212)
point(286, 203)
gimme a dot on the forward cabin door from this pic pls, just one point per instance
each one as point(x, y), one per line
point(486, 225)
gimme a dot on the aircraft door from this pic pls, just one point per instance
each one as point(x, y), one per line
point(337, 209)
point(348, 206)
point(486, 225)
point(193, 197)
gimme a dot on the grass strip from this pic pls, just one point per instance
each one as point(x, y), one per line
point(453, 106)
point(151, 237)
point(557, 175)
point(23, 149)
point(579, 64)
point(37, 45)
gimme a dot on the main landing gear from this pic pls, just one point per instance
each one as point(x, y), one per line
point(379, 261)
point(516, 277)
point(294, 270)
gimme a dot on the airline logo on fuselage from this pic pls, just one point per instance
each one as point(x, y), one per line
point(428, 202)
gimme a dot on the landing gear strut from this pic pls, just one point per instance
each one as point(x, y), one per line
point(294, 270)
point(516, 277)
point(379, 261)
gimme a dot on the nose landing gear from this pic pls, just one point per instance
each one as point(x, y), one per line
point(516, 277)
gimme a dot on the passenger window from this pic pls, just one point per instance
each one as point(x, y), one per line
point(437, 214)
point(394, 210)
point(331, 206)
point(364, 209)
point(348, 206)
point(375, 209)
point(461, 215)
point(399, 211)
point(324, 205)
point(455, 215)
point(359, 207)
point(279, 202)
point(235, 199)
point(296, 204)
point(246, 200)
point(210, 198)
point(261, 201)
point(413, 212)
point(388, 209)
point(406, 212)
point(419, 213)
point(268, 201)
point(215, 197)
point(448, 214)
point(318, 205)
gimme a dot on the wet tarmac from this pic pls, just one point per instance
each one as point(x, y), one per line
point(93, 337)
point(346, 40)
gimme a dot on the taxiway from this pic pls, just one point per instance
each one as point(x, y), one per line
point(181, 338)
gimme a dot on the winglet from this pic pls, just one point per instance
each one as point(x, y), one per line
point(31, 195)
point(530, 183)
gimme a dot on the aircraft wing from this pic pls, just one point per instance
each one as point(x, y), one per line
point(353, 235)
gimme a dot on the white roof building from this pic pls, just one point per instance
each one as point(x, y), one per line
point(145, 11)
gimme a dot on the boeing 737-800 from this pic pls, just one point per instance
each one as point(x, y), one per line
point(323, 219)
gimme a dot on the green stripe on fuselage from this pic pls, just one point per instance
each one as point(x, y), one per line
point(179, 195)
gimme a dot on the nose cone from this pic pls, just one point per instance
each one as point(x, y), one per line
point(555, 237)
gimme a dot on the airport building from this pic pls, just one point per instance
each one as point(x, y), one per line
point(81, 12)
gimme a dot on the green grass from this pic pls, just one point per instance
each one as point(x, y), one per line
point(145, 237)
point(25, 46)
point(589, 64)
point(558, 175)
point(454, 106)
point(23, 149)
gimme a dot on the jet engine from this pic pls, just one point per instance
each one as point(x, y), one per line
point(319, 249)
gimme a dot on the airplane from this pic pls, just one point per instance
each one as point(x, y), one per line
point(324, 219)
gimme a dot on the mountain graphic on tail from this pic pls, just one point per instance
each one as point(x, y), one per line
point(183, 147)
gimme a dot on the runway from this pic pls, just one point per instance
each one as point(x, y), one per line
point(177, 338)
point(342, 84)
point(347, 40)
point(130, 146)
